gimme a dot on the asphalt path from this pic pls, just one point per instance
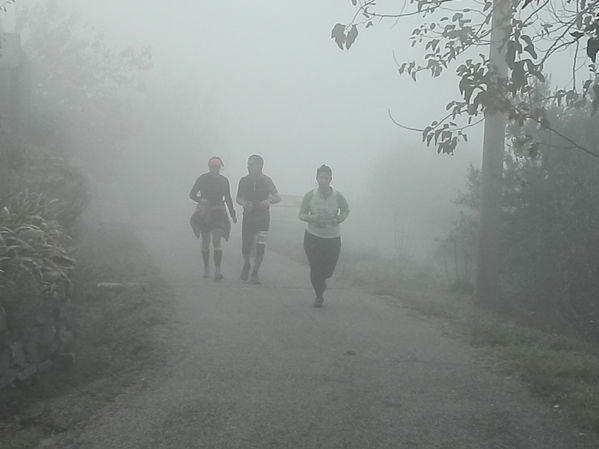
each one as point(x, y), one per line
point(258, 367)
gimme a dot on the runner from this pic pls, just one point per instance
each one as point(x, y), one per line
point(256, 193)
point(210, 220)
point(323, 209)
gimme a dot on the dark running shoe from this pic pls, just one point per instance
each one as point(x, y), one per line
point(218, 277)
point(254, 279)
point(318, 301)
point(245, 272)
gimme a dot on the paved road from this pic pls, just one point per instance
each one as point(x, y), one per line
point(257, 367)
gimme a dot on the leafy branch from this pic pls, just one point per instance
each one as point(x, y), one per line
point(5, 4)
point(535, 31)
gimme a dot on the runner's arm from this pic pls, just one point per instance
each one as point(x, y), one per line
point(343, 208)
point(304, 213)
point(274, 196)
point(228, 199)
point(194, 191)
point(239, 198)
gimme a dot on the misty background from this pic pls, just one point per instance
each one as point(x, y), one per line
point(264, 77)
point(111, 112)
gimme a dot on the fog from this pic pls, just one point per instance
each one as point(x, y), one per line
point(233, 79)
point(129, 99)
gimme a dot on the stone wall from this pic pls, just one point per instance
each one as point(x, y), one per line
point(29, 345)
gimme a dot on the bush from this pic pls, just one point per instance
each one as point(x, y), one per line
point(33, 245)
point(549, 243)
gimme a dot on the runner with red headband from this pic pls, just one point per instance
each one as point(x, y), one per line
point(210, 220)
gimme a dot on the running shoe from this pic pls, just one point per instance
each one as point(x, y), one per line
point(254, 279)
point(245, 272)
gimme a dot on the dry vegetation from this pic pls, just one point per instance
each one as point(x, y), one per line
point(117, 335)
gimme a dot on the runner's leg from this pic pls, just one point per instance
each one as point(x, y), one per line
point(260, 239)
point(217, 235)
point(313, 252)
point(247, 239)
point(331, 256)
point(206, 253)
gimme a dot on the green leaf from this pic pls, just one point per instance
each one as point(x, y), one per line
point(518, 75)
point(338, 33)
point(351, 36)
point(510, 54)
point(592, 48)
point(530, 46)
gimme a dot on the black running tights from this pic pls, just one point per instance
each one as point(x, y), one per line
point(323, 254)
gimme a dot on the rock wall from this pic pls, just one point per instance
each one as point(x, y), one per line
point(31, 342)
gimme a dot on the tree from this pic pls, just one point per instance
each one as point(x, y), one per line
point(535, 31)
point(5, 4)
point(523, 35)
point(80, 86)
point(548, 240)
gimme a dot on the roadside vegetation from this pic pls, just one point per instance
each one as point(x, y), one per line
point(563, 368)
point(545, 329)
point(117, 334)
point(55, 247)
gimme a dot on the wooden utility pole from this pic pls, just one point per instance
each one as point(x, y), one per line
point(492, 167)
point(15, 87)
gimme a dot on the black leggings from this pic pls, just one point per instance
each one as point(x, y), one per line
point(323, 254)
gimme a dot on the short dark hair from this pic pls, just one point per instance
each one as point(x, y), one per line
point(257, 159)
point(218, 159)
point(324, 169)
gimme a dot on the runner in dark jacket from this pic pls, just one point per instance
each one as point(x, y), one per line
point(256, 193)
point(210, 220)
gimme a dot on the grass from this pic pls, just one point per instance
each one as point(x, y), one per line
point(563, 369)
point(117, 334)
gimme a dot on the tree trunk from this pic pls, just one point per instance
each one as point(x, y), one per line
point(492, 169)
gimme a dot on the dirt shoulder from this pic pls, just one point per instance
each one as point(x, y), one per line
point(119, 333)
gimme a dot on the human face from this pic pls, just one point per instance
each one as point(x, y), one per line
point(323, 179)
point(254, 167)
point(214, 166)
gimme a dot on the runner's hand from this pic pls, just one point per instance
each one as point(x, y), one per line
point(265, 204)
point(247, 206)
point(320, 220)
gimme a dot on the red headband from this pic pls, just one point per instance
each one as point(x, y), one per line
point(216, 161)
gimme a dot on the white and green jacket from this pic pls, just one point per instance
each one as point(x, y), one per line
point(332, 209)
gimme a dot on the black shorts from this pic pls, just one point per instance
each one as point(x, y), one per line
point(254, 230)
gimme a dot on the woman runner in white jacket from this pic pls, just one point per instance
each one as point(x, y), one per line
point(323, 209)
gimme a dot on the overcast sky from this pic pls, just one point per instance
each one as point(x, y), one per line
point(280, 86)
point(269, 80)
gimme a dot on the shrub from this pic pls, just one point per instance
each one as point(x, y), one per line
point(33, 246)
